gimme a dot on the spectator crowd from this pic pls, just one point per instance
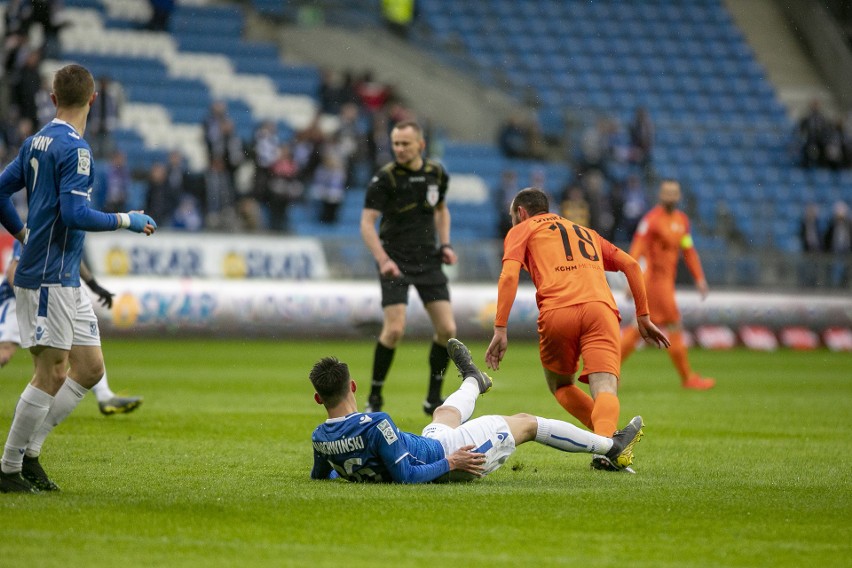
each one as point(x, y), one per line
point(612, 169)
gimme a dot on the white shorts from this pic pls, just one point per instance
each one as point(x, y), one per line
point(9, 332)
point(489, 435)
point(56, 316)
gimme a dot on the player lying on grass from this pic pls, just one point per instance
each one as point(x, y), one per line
point(369, 447)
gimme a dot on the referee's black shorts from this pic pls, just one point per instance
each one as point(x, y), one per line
point(395, 290)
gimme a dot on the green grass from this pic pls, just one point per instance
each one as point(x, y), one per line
point(213, 469)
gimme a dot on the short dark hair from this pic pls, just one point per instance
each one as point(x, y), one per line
point(73, 86)
point(413, 124)
point(533, 199)
point(330, 378)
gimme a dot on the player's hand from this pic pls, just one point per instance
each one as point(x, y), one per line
point(466, 460)
point(102, 293)
point(389, 269)
point(141, 223)
point(651, 333)
point(448, 255)
point(497, 348)
point(702, 288)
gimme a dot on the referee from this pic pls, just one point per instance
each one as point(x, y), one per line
point(412, 242)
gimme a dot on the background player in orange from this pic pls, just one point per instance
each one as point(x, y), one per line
point(662, 234)
point(577, 313)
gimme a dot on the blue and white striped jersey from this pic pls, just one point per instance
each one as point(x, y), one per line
point(55, 165)
point(370, 447)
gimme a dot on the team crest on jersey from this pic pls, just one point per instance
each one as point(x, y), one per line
point(84, 161)
point(432, 195)
point(387, 431)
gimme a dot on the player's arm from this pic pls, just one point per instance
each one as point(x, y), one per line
point(74, 200)
point(463, 459)
point(693, 263)
point(322, 469)
point(507, 290)
point(615, 259)
point(102, 293)
point(76, 214)
point(442, 227)
point(12, 181)
point(10, 271)
point(370, 236)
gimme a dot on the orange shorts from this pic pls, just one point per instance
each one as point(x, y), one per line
point(661, 302)
point(589, 330)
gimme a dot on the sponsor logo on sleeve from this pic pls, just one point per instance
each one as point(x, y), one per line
point(387, 431)
point(84, 162)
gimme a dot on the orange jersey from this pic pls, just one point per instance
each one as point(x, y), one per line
point(660, 238)
point(567, 263)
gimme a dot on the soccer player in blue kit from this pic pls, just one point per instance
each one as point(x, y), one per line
point(369, 447)
point(56, 319)
point(109, 403)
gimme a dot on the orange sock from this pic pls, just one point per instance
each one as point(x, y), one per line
point(605, 414)
point(677, 352)
point(628, 342)
point(578, 404)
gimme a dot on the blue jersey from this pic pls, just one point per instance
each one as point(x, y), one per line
point(55, 166)
point(369, 447)
point(6, 290)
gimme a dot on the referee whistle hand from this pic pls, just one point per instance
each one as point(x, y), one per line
point(389, 269)
point(448, 256)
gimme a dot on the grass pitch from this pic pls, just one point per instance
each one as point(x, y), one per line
point(213, 469)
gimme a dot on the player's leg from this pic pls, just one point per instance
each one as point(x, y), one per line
point(569, 438)
point(459, 406)
point(394, 303)
point(556, 434)
point(45, 319)
point(667, 316)
point(559, 349)
point(86, 367)
point(110, 403)
point(436, 300)
point(629, 339)
point(678, 354)
point(31, 411)
point(600, 345)
point(570, 397)
point(10, 335)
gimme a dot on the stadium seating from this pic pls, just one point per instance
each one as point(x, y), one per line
point(720, 127)
point(170, 79)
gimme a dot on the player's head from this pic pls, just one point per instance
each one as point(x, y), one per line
point(669, 193)
point(407, 142)
point(73, 87)
point(331, 380)
point(528, 202)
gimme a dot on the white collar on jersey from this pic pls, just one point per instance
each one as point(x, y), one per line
point(339, 418)
point(68, 124)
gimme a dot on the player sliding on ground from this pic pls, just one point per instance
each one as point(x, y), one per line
point(369, 447)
